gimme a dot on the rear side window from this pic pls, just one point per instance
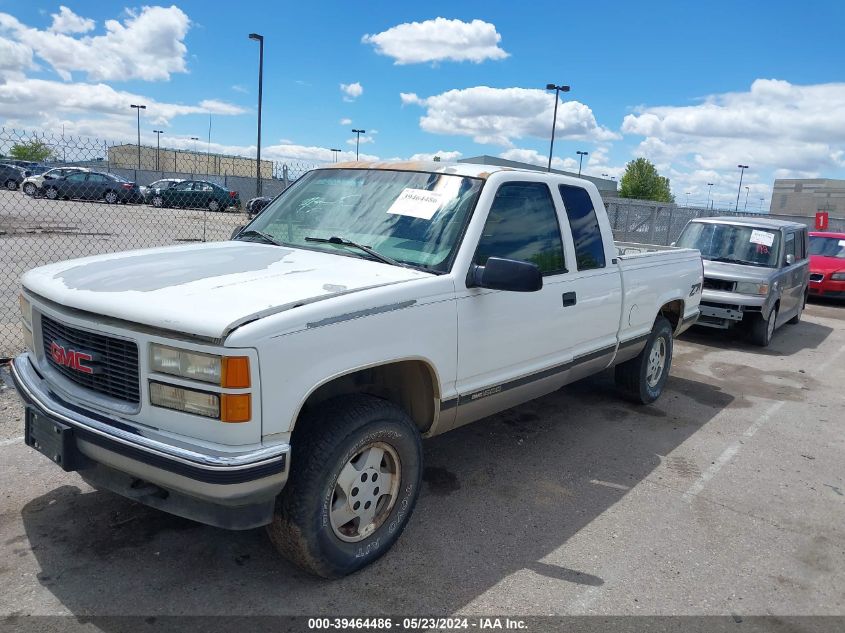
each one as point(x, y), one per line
point(589, 246)
point(522, 224)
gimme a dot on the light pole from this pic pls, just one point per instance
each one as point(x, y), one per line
point(745, 208)
point(580, 160)
point(138, 109)
point(358, 140)
point(260, 39)
point(158, 134)
point(761, 205)
point(335, 152)
point(709, 189)
point(558, 90)
point(196, 158)
point(742, 169)
point(686, 204)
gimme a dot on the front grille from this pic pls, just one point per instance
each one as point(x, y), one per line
point(816, 277)
point(719, 284)
point(115, 361)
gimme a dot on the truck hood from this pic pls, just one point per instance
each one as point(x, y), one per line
point(737, 272)
point(207, 289)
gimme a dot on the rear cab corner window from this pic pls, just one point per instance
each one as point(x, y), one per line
point(522, 224)
point(584, 224)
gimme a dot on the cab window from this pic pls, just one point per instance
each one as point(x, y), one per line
point(589, 246)
point(522, 224)
point(789, 246)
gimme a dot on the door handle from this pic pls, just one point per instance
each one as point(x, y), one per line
point(569, 299)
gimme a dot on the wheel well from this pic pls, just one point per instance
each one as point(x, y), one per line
point(410, 384)
point(673, 312)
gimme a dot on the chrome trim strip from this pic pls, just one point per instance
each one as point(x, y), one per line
point(28, 381)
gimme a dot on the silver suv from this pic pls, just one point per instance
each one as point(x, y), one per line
point(756, 272)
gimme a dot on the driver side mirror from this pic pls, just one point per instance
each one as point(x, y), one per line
point(506, 274)
point(790, 259)
point(48, 177)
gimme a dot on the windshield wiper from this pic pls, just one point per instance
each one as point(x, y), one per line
point(741, 262)
point(256, 233)
point(369, 251)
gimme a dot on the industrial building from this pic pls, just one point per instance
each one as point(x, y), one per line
point(185, 162)
point(808, 196)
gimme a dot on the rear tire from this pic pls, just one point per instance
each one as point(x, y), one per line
point(213, 205)
point(11, 185)
point(643, 377)
point(51, 193)
point(762, 330)
point(320, 523)
point(110, 197)
point(30, 189)
point(158, 202)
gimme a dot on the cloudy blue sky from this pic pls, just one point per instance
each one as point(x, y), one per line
point(696, 87)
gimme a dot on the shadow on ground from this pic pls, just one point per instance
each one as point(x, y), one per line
point(788, 339)
point(500, 495)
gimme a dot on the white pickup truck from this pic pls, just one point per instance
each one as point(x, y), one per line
point(286, 377)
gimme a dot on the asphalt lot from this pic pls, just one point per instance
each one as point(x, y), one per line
point(725, 497)
point(37, 231)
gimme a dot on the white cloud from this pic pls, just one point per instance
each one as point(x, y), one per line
point(438, 40)
point(346, 121)
point(35, 102)
point(365, 138)
point(66, 21)
point(351, 91)
point(147, 45)
point(499, 115)
point(534, 157)
point(774, 125)
point(240, 88)
point(14, 57)
point(444, 156)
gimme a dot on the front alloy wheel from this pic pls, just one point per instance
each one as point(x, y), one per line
point(29, 189)
point(111, 197)
point(213, 205)
point(52, 193)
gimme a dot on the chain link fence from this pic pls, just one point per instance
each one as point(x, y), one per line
point(84, 199)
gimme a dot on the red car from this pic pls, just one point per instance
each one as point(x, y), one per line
point(827, 264)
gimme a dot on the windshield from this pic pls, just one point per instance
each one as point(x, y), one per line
point(827, 246)
point(732, 243)
point(414, 218)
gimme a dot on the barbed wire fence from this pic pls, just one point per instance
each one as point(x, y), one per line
point(97, 200)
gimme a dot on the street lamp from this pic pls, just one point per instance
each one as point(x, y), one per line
point(558, 90)
point(742, 169)
point(580, 160)
point(260, 39)
point(761, 205)
point(686, 204)
point(745, 208)
point(196, 158)
point(358, 140)
point(138, 109)
point(158, 134)
point(335, 152)
point(709, 189)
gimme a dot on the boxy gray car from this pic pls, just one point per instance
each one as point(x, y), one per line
point(756, 272)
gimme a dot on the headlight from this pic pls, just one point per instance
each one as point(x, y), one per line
point(26, 311)
point(187, 400)
point(752, 288)
point(840, 276)
point(226, 371)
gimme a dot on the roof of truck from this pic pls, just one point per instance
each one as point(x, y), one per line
point(471, 170)
point(758, 221)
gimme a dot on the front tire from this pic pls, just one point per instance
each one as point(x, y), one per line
point(762, 330)
point(158, 202)
point(11, 185)
point(30, 189)
point(213, 205)
point(643, 377)
point(353, 488)
point(51, 193)
point(110, 197)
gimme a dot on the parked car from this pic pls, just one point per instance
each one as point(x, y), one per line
point(286, 378)
point(11, 176)
point(27, 165)
point(257, 205)
point(197, 194)
point(756, 272)
point(153, 188)
point(92, 185)
point(33, 185)
point(827, 265)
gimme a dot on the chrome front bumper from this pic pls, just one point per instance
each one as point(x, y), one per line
point(235, 490)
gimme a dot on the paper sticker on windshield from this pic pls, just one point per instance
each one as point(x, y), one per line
point(841, 242)
point(417, 203)
point(764, 238)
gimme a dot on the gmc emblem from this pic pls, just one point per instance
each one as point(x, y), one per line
point(70, 358)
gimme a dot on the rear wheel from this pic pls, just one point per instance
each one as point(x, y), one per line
point(643, 377)
point(213, 205)
point(762, 330)
point(30, 189)
point(158, 201)
point(52, 193)
point(11, 185)
point(352, 491)
point(110, 197)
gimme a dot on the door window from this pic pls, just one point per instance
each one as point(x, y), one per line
point(789, 246)
point(522, 224)
point(78, 177)
point(589, 246)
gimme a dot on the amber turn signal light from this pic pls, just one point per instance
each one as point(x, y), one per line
point(235, 407)
point(235, 372)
